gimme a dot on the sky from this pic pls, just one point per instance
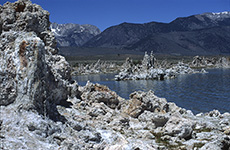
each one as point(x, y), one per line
point(106, 13)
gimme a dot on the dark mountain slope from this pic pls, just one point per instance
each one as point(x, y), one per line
point(201, 21)
point(206, 33)
point(204, 41)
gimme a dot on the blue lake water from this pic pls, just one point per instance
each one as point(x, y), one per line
point(197, 92)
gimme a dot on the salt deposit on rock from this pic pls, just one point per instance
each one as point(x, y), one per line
point(214, 62)
point(95, 68)
point(33, 75)
point(151, 69)
point(42, 108)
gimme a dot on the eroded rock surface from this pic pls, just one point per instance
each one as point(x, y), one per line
point(205, 62)
point(33, 76)
point(150, 68)
point(95, 68)
point(42, 108)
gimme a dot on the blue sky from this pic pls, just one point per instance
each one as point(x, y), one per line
point(106, 13)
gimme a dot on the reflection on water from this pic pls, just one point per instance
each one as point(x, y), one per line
point(197, 92)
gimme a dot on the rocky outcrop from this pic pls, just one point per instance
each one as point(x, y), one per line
point(95, 68)
point(99, 93)
point(42, 108)
point(33, 75)
point(150, 68)
point(146, 121)
point(214, 62)
point(144, 101)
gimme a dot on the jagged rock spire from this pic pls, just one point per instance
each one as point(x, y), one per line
point(32, 75)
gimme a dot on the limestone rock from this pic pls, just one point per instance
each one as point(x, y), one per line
point(218, 144)
point(8, 89)
point(141, 101)
point(26, 129)
point(99, 93)
point(95, 68)
point(158, 119)
point(222, 62)
point(33, 77)
point(25, 16)
point(42, 108)
point(31, 81)
point(180, 127)
point(151, 69)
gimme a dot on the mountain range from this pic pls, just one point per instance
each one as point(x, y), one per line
point(202, 34)
point(73, 35)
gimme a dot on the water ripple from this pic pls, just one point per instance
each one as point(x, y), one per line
point(197, 92)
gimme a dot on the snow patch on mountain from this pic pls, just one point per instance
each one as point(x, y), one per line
point(73, 34)
point(218, 15)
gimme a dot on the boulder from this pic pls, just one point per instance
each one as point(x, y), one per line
point(157, 119)
point(221, 143)
point(180, 127)
point(100, 93)
point(141, 101)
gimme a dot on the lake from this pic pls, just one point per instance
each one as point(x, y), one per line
point(196, 92)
